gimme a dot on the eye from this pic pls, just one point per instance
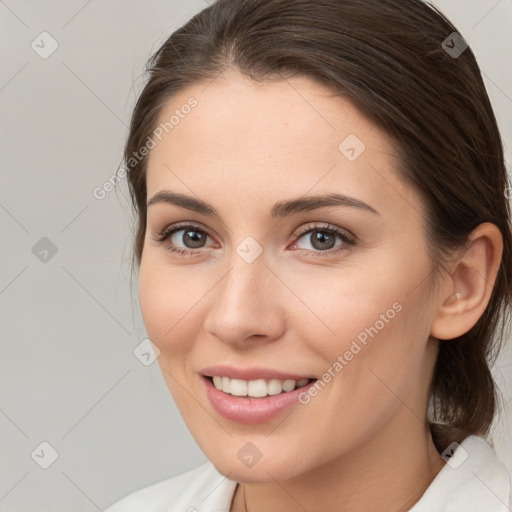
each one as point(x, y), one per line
point(189, 239)
point(189, 235)
point(323, 239)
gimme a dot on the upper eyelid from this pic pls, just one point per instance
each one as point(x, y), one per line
point(327, 227)
point(183, 225)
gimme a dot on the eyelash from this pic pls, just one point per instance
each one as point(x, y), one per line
point(168, 232)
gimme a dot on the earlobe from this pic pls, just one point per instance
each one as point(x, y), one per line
point(470, 283)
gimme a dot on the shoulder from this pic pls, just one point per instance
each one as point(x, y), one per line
point(201, 488)
point(473, 479)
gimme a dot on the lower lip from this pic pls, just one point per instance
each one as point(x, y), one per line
point(250, 410)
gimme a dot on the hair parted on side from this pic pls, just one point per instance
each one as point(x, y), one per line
point(386, 57)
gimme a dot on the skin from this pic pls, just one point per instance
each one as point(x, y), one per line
point(362, 443)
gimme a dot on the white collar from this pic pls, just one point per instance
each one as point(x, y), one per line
point(472, 480)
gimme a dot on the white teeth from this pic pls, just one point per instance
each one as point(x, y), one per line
point(288, 385)
point(256, 388)
point(217, 382)
point(238, 387)
point(274, 387)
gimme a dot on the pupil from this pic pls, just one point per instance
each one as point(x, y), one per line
point(193, 239)
point(321, 238)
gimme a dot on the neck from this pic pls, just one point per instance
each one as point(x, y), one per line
point(390, 472)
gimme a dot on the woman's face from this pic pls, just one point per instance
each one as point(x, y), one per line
point(280, 285)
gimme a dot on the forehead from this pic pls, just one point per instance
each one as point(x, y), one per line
point(240, 117)
point(271, 139)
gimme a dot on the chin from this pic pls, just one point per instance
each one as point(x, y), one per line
point(266, 469)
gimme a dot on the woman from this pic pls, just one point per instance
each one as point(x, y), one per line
point(324, 245)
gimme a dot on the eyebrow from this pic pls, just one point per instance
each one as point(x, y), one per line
point(279, 210)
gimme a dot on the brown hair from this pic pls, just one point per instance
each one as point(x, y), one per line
point(387, 57)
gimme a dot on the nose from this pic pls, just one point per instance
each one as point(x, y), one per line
point(247, 305)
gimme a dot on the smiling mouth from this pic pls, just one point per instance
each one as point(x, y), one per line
point(258, 388)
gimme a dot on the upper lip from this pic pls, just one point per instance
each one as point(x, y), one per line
point(253, 373)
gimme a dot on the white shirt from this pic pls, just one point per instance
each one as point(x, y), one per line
point(472, 480)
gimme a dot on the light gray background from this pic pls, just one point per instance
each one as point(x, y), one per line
point(69, 325)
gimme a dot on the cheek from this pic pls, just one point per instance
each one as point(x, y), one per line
point(345, 302)
point(171, 323)
point(374, 316)
point(167, 299)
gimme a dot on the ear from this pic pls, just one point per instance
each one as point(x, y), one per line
point(469, 284)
